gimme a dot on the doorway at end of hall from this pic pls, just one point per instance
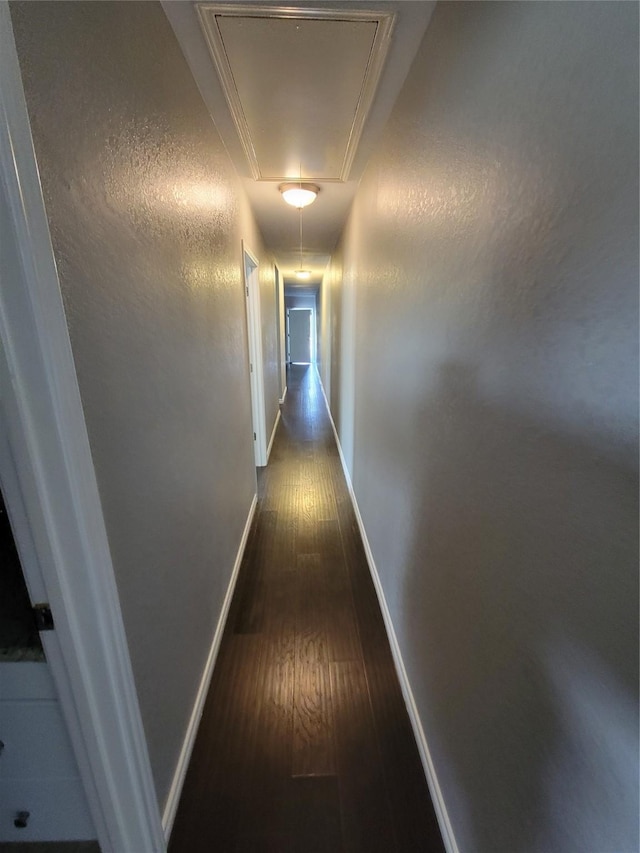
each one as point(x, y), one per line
point(300, 337)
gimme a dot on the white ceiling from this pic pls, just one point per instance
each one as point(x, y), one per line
point(268, 66)
point(307, 87)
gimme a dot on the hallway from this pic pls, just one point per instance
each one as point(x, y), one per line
point(471, 258)
point(305, 743)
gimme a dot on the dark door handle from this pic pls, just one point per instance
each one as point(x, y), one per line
point(22, 818)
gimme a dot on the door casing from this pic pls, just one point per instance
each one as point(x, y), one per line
point(47, 440)
point(256, 365)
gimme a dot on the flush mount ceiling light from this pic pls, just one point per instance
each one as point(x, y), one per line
point(299, 194)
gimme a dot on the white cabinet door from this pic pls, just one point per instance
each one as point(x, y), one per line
point(38, 771)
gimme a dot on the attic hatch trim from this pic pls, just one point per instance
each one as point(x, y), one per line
point(209, 15)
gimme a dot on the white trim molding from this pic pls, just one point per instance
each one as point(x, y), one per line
point(173, 798)
point(284, 396)
point(273, 435)
point(251, 280)
point(47, 435)
point(432, 780)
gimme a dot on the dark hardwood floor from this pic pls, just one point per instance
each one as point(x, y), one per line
point(305, 744)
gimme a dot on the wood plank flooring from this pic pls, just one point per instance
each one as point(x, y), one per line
point(305, 745)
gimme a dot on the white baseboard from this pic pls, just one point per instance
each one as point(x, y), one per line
point(284, 396)
point(273, 435)
point(171, 805)
point(421, 741)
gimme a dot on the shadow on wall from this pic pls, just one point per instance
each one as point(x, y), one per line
point(521, 629)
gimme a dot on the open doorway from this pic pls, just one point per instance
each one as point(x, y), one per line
point(301, 324)
point(282, 336)
point(300, 338)
point(256, 368)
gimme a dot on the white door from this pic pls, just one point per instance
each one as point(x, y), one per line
point(256, 369)
point(300, 335)
point(41, 794)
point(281, 324)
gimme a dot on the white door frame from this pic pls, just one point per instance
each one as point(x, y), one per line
point(48, 443)
point(282, 334)
point(256, 366)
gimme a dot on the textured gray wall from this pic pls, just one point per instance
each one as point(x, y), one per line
point(147, 218)
point(331, 362)
point(292, 299)
point(494, 249)
point(340, 282)
point(332, 285)
point(324, 331)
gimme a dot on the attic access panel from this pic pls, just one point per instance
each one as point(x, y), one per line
point(299, 83)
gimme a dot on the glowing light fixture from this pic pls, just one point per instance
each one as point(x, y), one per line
point(299, 194)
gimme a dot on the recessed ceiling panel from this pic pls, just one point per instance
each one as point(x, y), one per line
point(299, 83)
